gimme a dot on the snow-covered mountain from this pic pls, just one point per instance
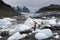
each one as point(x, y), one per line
point(21, 9)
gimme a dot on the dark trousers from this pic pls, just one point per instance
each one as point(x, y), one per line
point(34, 28)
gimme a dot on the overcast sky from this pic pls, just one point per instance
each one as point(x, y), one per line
point(33, 5)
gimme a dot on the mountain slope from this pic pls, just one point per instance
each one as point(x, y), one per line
point(6, 10)
point(49, 8)
point(21, 9)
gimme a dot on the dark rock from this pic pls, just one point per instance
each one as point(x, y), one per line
point(4, 33)
point(26, 32)
point(25, 9)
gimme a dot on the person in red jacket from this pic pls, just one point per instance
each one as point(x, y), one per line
point(35, 25)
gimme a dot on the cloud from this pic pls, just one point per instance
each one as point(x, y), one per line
point(32, 4)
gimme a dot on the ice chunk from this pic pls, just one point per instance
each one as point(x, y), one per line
point(52, 22)
point(29, 22)
point(9, 19)
point(1, 37)
point(17, 36)
point(49, 22)
point(46, 23)
point(19, 28)
point(57, 36)
point(43, 34)
point(39, 21)
point(24, 27)
point(58, 23)
point(5, 24)
point(13, 31)
point(46, 31)
point(40, 36)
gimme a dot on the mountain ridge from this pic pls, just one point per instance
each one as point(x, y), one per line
point(49, 8)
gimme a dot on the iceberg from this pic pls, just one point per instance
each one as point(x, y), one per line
point(43, 34)
point(17, 36)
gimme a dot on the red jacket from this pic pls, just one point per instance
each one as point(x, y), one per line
point(35, 23)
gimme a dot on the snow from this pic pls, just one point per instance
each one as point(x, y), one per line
point(17, 36)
